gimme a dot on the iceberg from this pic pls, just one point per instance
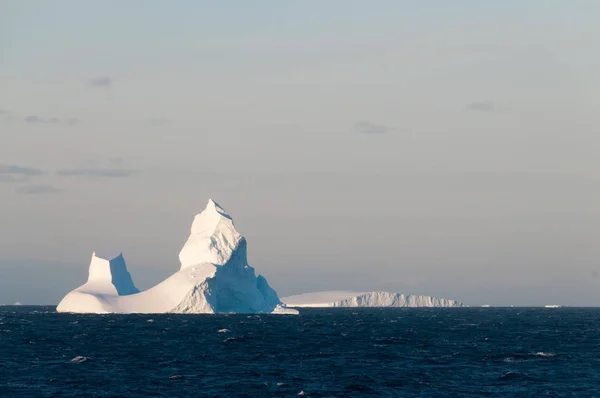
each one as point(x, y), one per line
point(214, 277)
point(366, 299)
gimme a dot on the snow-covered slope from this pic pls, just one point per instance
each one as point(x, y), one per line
point(214, 277)
point(370, 299)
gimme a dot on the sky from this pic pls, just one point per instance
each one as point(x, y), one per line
point(435, 148)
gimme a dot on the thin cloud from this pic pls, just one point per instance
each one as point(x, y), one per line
point(14, 170)
point(43, 189)
point(159, 122)
point(12, 178)
point(366, 127)
point(482, 106)
point(99, 167)
point(33, 119)
point(96, 172)
point(102, 81)
point(116, 160)
point(3, 112)
point(13, 173)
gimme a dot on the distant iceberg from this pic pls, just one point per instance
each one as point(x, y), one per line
point(16, 303)
point(214, 277)
point(366, 299)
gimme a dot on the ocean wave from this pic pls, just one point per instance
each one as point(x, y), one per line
point(322, 352)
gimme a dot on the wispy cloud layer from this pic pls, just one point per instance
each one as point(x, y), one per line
point(11, 169)
point(32, 119)
point(482, 106)
point(42, 189)
point(111, 167)
point(102, 81)
point(13, 173)
point(366, 127)
point(95, 172)
point(159, 122)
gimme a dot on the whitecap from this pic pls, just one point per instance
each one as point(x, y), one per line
point(544, 354)
point(508, 374)
point(79, 359)
point(232, 339)
point(224, 331)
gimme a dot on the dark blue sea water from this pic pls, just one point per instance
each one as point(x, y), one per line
point(320, 353)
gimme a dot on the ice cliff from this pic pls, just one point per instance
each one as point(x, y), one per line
point(214, 277)
point(109, 277)
point(369, 299)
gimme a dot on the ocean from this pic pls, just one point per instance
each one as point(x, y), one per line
point(327, 352)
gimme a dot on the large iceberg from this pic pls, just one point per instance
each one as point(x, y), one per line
point(214, 278)
point(366, 299)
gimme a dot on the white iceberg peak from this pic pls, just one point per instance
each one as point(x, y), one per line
point(213, 238)
point(214, 278)
point(215, 207)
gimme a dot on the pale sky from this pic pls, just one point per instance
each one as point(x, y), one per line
point(446, 148)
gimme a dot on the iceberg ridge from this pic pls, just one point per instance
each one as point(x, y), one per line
point(369, 299)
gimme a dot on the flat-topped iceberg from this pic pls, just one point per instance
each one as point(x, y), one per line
point(366, 299)
point(214, 277)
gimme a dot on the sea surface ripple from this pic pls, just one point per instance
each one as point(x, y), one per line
point(337, 352)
